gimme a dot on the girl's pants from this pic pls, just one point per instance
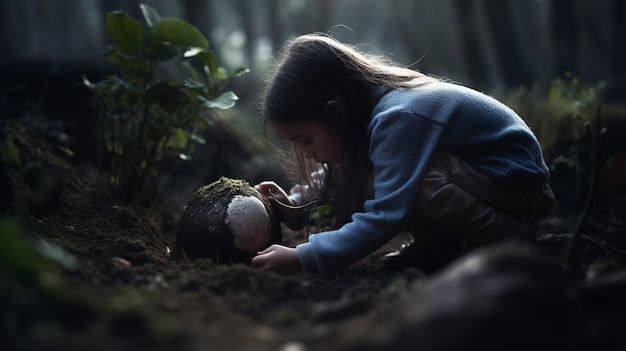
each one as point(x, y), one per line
point(459, 203)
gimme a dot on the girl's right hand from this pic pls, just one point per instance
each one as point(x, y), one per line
point(278, 258)
point(280, 201)
point(272, 191)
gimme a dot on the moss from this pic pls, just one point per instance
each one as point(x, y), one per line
point(221, 186)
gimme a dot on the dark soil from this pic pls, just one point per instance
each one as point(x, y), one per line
point(114, 285)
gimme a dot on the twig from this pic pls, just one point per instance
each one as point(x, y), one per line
point(596, 139)
point(582, 221)
point(603, 244)
point(568, 236)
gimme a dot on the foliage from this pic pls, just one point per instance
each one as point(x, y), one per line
point(9, 155)
point(149, 118)
point(584, 104)
point(591, 157)
point(19, 259)
point(322, 217)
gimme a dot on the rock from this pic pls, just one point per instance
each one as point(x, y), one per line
point(325, 311)
point(227, 221)
point(504, 297)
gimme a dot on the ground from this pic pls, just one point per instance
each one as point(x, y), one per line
point(82, 274)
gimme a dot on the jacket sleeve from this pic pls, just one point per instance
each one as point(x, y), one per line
point(401, 145)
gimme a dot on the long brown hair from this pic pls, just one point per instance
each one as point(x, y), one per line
point(312, 70)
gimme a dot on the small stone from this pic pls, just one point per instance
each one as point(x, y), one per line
point(293, 346)
point(119, 262)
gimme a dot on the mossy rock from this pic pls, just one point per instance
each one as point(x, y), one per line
point(227, 221)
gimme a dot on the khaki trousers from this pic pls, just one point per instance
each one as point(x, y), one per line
point(459, 203)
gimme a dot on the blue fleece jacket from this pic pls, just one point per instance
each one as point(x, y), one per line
point(407, 127)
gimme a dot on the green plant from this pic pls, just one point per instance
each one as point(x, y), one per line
point(583, 102)
point(322, 217)
point(147, 118)
point(9, 154)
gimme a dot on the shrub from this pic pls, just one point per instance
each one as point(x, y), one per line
point(148, 119)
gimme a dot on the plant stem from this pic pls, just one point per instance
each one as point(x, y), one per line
point(582, 221)
point(593, 179)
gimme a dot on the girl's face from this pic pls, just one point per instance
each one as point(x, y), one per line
point(316, 140)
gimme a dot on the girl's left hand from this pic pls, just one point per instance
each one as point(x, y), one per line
point(278, 258)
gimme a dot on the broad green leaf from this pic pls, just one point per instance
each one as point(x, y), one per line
point(222, 74)
point(239, 72)
point(150, 14)
point(177, 32)
point(192, 72)
point(18, 257)
point(192, 96)
point(197, 138)
point(191, 52)
point(324, 210)
point(210, 62)
point(168, 95)
point(205, 121)
point(89, 84)
point(9, 153)
point(125, 31)
point(161, 52)
point(194, 84)
point(131, 65)
point(178, 140)
point(66, 150)
point(57, 254)
point(223, 102)
point(107, 87)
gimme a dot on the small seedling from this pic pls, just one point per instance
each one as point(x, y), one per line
point(322, 217)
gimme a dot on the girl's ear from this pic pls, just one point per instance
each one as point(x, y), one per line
point(337, 111)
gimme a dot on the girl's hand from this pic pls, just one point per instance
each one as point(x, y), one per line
point(278, 258)
point(278, 198)
point(273, 192)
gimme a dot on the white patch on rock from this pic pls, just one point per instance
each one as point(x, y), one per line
point(251, 225)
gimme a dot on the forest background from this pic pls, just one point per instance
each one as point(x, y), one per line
point(506, 48)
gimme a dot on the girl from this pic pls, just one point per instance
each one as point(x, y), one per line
point(398, 151)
